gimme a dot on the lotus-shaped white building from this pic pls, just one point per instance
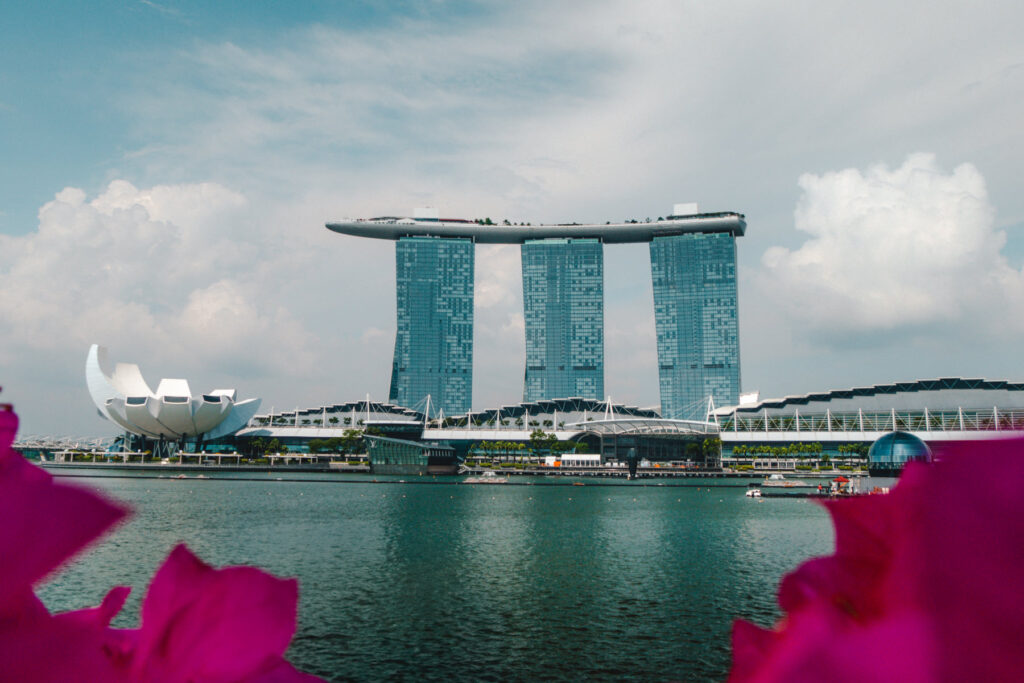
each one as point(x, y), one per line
point(169, 413)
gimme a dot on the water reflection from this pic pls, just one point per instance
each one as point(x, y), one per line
point(483, 582)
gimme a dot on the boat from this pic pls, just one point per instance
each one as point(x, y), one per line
point(779, 481)
point(488, 477)
point(754, 493)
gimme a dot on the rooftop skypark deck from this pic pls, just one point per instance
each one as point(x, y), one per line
point(395, 228)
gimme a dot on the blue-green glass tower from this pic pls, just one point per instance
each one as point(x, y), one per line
point(563, 304)
point(434, 342)
point(695, 317)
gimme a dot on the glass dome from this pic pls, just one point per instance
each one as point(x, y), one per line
point(894, 449)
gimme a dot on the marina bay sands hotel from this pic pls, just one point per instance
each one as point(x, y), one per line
point(693, 269)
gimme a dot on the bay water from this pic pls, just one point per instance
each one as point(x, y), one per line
point(422, 578)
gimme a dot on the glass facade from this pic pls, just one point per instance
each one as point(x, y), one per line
point(398, 456)
point(695, 302)
point(434, 341)
point(892, 451)
point(563, 310)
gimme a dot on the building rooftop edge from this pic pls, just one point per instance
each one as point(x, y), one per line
point(394, 228)
point(936, 384)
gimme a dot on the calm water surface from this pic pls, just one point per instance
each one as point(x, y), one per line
point(428, 581)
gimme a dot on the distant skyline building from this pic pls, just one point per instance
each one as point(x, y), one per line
point(434, 338)
point(695, 317)
point(693, 268)
point(563, 311)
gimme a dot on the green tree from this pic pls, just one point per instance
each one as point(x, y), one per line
point(712, 448)
point(541, 441)
point(252, 447)
point(352, 441)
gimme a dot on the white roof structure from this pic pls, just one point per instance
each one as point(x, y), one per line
point(649, 426)
point(171, 412)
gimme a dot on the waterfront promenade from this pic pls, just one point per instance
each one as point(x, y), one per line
point(337, 468)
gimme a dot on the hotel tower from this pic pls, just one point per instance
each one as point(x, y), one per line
point(693, 271)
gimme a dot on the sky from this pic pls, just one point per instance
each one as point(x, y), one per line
point(166, 170)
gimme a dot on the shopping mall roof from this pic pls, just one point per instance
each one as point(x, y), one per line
point(645, 426)
point(946, 393)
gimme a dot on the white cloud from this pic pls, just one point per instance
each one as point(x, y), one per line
point(373, 336)
point(499, 342)
point(499, 280)
point(155, 273)
point(891, 250)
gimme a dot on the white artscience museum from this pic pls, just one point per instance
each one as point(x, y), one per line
point(169, 414)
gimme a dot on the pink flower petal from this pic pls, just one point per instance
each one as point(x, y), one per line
point(198, 623)
point(751, 648)
point(868, 528)
point(213, 624)
point(38, 647)
point(44, 523)
point(8, 428)
point(102, 615)
point(818, 644)
point(926, 583)
point(969, 559)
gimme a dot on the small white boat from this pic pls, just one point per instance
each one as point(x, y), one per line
point(754, 493)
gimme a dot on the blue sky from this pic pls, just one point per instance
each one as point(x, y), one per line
point(168, 167)
point(68, 66)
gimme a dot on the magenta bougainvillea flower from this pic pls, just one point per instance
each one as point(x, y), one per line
point(926, 583)
point(198, 623)
point(205, 624)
